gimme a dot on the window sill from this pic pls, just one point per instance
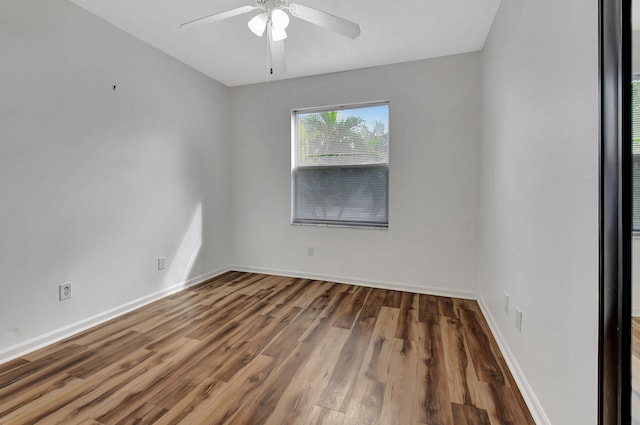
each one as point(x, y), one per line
point(342, 226)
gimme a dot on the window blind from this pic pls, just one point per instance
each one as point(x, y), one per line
point(635, 123)
point(340, 172)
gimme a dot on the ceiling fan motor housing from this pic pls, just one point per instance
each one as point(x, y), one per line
point(271, 4)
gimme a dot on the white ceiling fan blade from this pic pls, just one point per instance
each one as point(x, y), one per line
point(278, 60)
point(218, 17)
point(325, 20)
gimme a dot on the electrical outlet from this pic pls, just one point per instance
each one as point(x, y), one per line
point(310, 251)
point(506, 303)
point(64, 291)
point(518, 320)
point(161, 263)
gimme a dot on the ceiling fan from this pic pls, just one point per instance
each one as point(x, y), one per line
point(273, 19)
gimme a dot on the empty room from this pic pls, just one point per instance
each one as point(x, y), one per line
point(324, 212)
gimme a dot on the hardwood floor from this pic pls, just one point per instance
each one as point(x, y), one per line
point(255, 349)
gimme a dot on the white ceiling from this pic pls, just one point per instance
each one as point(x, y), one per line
point(392, 31)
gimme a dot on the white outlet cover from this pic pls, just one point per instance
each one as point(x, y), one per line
point(518, 320)
point(506, 303)
point(64, 291)
point(161, 263)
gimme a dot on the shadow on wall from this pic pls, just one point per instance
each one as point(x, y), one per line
point(185, 257)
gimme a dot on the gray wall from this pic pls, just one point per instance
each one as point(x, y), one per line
point(96, 184)
point(539, 198)
point(434, 148)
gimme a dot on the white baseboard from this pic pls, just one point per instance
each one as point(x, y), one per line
point(539, 416)
point(635, 312)
point(41, 341)
point(362, 282)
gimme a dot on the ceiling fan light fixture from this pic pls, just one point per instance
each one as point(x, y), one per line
point(273, 17)
point(278, 34)
point(258, 24)
point(280, 19)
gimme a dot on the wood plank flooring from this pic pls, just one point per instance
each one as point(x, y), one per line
point(254, 349)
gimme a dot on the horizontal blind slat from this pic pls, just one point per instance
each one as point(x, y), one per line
point(635, 131)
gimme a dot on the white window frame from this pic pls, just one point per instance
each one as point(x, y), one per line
point(294, 157)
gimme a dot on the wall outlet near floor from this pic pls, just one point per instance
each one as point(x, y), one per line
point(506, 303)
point(310, 251)
point(518, 319)
point(64, 291)
point(161, 264)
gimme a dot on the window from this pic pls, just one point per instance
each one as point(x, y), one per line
point(635, 120)
point(340, 166)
